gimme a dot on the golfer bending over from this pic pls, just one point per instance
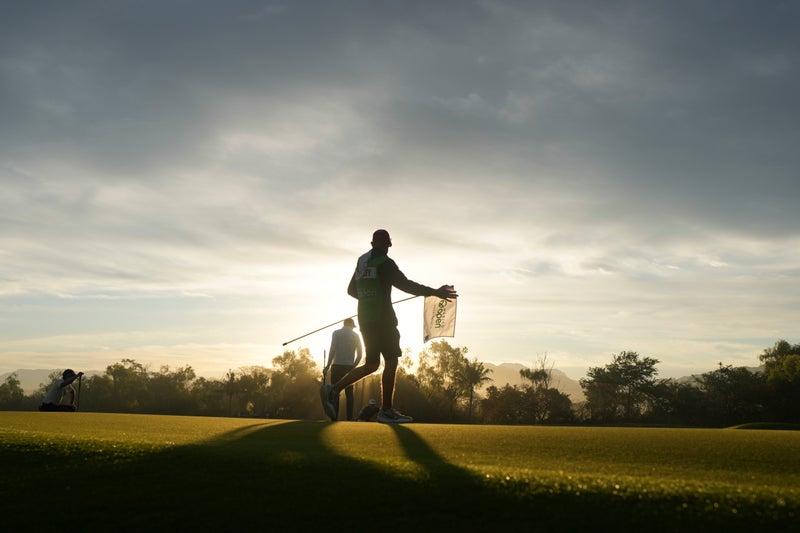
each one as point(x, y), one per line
point(371, 284)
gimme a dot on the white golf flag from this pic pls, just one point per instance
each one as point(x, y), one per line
point(439, 318)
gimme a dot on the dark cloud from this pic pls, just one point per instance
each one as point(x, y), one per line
point(644, 90)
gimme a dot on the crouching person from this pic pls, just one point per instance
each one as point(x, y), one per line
point(55, 395)
point(369, 413)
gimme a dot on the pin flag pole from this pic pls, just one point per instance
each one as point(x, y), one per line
point(338, 321)
point(78, 400)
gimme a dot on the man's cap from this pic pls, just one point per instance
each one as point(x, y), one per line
point(68, 373)
point(383, 235)
point(349, 323)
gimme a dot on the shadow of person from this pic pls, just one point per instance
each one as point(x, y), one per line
point(293, 475)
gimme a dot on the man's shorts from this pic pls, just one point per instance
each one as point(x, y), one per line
point(380, 339)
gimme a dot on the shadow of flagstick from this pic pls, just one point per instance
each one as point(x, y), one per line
point(473, 496)
point(421, 453)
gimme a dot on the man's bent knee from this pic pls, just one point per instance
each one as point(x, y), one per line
point(369, 368)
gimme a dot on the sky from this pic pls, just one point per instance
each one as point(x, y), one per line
point(191, 182)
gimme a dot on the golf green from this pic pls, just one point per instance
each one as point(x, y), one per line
point(129, 472)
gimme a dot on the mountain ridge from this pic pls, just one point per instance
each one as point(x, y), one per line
point(508, 373)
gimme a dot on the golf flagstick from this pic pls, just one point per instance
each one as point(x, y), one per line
point(78, 400)
point(338, 321)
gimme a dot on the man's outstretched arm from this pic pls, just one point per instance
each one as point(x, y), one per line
point(400, 281)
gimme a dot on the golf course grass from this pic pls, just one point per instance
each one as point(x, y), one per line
point(114, 472)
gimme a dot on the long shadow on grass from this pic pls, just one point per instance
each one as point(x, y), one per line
point(351, 493)
point(284, 477)
point(263, 477)
point(439, 471)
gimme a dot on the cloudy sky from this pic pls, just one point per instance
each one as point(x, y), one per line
point(191, 182)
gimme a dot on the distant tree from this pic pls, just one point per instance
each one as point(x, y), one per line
point(680, 404)
point(11, 393)
point(294, 386)
point(782, 370)
point(99, 394)
point(440, 376)
point(128, 385)
point(252, 389)
point(559, 407)
point(543, 403)
point(231, 387)
point(538, 377)
point(167, 391)
point(209, 397)
point(505, 405)
point(622, 390)
point(407, 393)
point(295, 365)
point(733, 395)
point(473, 375)
point(782, 362)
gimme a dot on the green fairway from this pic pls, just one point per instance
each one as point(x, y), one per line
point(126, 472)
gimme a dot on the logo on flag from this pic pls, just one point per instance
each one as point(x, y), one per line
point(439, 318)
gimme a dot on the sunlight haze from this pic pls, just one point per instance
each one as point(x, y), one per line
point(191, 183)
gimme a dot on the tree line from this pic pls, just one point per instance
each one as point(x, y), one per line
point(628, 390)
point(448, 386)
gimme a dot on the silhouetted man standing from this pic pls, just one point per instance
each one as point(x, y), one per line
point(371, 284)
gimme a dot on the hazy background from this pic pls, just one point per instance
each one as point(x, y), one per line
point(191, 182)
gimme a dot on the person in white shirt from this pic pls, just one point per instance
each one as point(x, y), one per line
point(344, 355)
point(52, 401)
